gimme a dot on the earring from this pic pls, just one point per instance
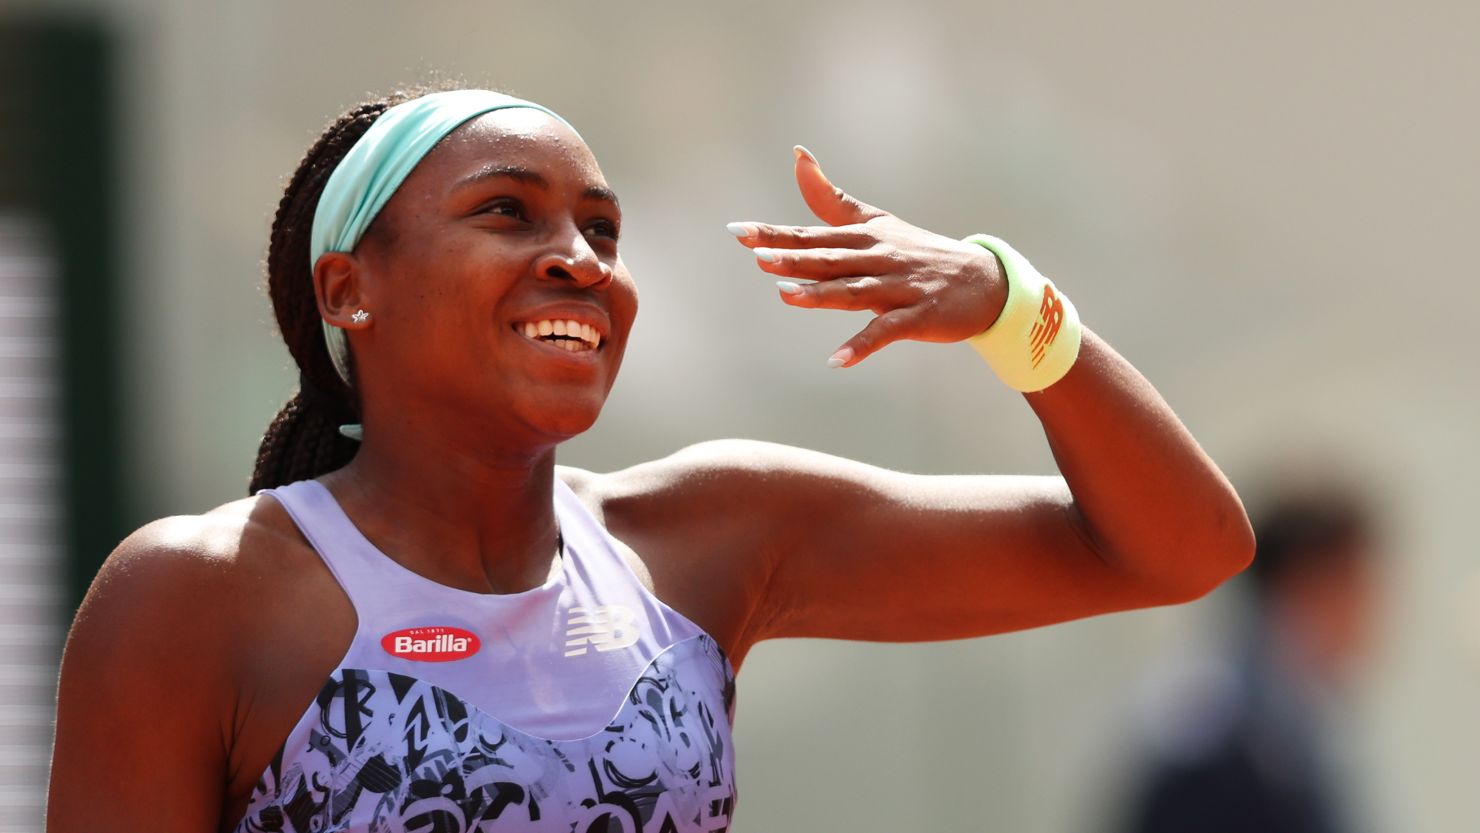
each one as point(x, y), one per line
point(360, 316)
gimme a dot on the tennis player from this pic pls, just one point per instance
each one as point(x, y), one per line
point(419, 621)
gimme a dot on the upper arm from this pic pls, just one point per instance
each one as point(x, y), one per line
point(888, 556)
point(831, 547)
point(144, 698)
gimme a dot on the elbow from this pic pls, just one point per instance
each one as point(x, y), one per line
point(1218, 555)
point(1203, 559)
point(1236, 542)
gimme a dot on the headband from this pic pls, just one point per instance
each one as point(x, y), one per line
point(364, 180)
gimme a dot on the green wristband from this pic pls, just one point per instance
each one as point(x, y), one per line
point(1035, 339)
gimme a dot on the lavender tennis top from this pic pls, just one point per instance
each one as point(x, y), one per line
point(585, 704)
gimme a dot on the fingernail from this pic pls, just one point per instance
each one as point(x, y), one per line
point(840, 358)
point(789, 287)
point(801, 151)
point(740, 229)
point(766, 255)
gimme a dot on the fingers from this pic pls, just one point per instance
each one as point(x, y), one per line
point(861, 293)
point(823, 264)
point(884, 330)
point(896, 318)
point(758, 235)
point(844, 259)
point(827, 201)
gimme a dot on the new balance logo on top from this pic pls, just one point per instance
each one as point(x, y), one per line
point(1050, 316)
point(605, 628)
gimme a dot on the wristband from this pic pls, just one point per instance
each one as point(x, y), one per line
point(1035, 339)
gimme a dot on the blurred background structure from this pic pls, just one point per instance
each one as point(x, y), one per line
point(1264, 205)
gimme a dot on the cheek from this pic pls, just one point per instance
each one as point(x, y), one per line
point(459, 281)
point(622, 306)
point(624, 298)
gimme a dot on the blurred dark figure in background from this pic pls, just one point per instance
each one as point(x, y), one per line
point(1242, 746)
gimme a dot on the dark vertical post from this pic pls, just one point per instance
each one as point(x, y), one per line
point(58, 129)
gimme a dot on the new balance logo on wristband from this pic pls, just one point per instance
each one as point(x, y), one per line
point(605, 627)
point(1046, 329)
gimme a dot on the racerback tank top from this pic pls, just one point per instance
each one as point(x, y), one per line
point(585, 705)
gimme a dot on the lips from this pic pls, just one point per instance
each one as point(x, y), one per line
point(568, 334)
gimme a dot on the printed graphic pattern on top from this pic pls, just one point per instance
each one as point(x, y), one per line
point(392, 753)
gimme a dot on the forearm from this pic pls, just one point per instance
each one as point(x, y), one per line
point(1151, 501)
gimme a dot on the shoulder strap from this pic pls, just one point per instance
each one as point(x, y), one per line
point(329, 531)
point(602, 578)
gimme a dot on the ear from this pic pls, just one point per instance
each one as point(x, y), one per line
point(337, 288)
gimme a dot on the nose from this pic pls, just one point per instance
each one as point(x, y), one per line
point(576, 263)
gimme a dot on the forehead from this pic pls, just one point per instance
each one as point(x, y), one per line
point(519, 136)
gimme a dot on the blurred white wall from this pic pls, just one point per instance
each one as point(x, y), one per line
point(1267, 206)
point(31, 515)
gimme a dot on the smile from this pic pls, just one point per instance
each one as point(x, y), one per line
point(571, 336)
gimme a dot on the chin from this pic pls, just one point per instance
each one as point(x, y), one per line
point(566, 419)
point(572, 428)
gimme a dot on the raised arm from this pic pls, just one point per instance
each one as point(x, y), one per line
point(1141, 516)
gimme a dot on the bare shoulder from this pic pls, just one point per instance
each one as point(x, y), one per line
point(194, 582)
point(733, 494)
point(197, 619)
point(715, 470)
point(233, 542)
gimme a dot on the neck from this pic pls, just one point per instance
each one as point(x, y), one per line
point(480, 521)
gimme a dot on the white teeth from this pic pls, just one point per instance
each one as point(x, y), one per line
point(579, 337)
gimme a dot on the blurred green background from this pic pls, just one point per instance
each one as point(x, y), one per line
point(1266, 206)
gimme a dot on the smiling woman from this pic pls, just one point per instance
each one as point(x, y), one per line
point(418, 621)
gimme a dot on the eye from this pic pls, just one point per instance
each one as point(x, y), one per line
point(505, 207)
point(604, 228)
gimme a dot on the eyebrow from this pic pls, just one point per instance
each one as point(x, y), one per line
point(525, 175)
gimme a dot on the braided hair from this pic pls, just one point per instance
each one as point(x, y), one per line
point(304, 440)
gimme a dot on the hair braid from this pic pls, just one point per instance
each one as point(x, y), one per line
point(303, 440)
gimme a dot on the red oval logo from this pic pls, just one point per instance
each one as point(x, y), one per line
point(435, 643)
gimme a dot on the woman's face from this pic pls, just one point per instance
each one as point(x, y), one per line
point(502, 230)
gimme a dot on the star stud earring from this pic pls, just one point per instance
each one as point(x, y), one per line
point(360, 316)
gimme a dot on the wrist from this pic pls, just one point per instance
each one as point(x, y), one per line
point(992, 275)
point(1034, 339)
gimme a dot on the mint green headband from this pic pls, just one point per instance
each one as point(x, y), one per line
point(376, 166)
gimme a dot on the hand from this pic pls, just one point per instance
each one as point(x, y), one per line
point(919, 285)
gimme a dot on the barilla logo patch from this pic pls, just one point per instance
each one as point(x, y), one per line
point(436, 643)
point(1046, 329)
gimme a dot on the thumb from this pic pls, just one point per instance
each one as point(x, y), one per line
point(885, 329)
point(826, 200)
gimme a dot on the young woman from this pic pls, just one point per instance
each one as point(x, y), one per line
point(423, 623)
